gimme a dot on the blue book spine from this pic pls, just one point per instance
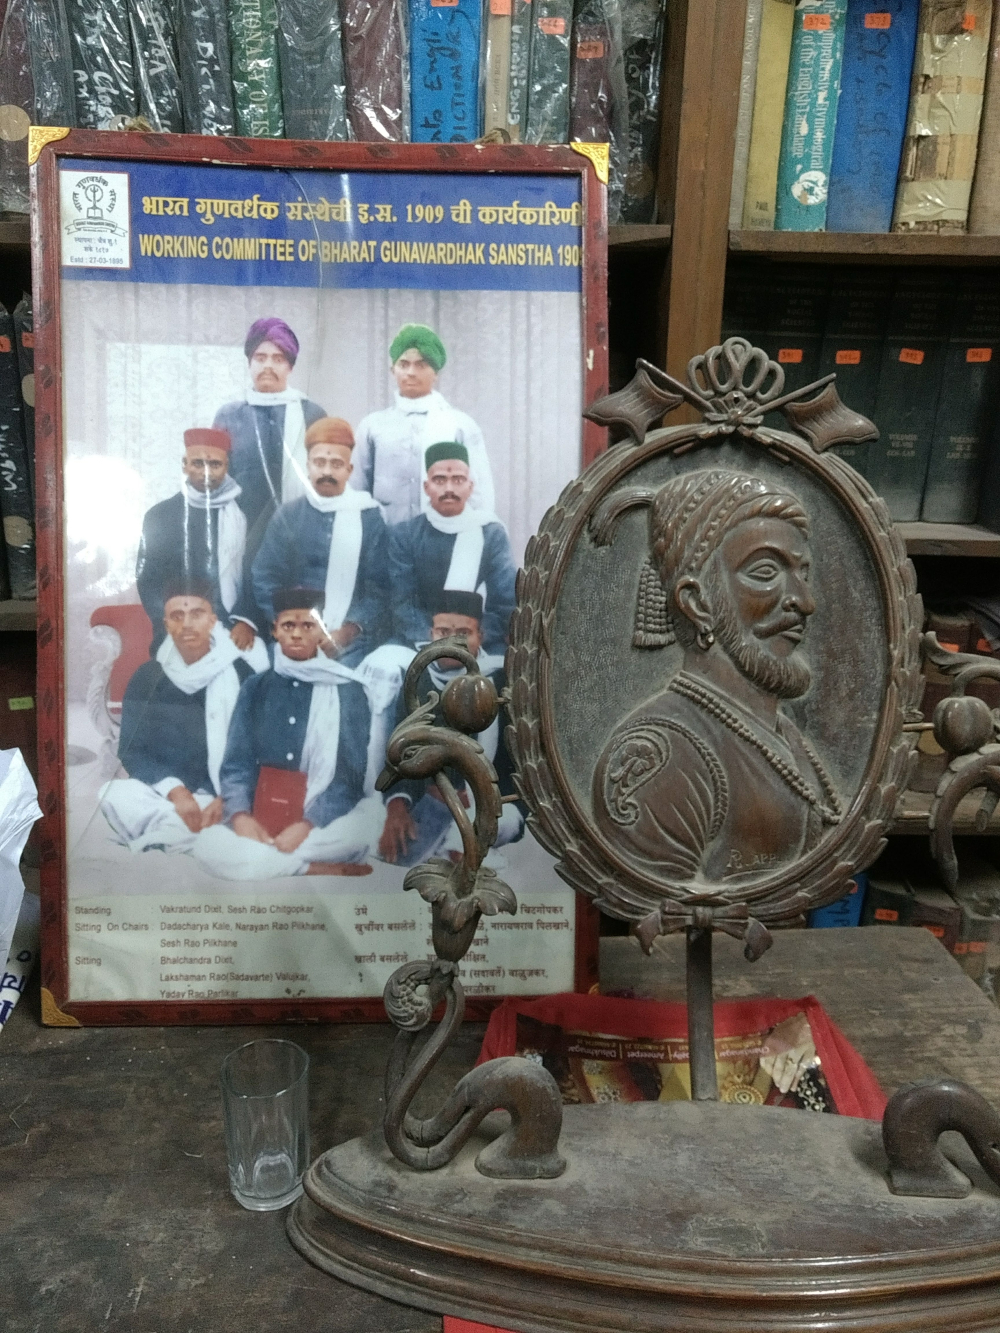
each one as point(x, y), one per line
point(879, 43)
point(845, 911)
point(810, 115)
point(444, 70)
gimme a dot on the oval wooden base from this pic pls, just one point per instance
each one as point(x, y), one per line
point(670, 1216)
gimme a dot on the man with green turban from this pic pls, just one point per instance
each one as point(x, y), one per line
point(389, 453)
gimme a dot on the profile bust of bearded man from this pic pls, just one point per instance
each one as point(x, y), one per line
point(708, 780)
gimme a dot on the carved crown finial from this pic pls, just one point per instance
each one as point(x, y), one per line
point(733, 385)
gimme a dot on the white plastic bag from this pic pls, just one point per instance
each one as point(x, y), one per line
point(19, 809)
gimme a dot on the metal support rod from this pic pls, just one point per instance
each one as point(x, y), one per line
point(701, 1024)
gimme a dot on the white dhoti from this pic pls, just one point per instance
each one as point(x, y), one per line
point(142, 819)
point(350, 838)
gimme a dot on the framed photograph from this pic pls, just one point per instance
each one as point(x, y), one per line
point(301, 407)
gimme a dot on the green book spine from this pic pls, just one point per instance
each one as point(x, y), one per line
point(852, 345)
point(548, 82)
point(967, 405)
point(909, 383)
point(253, 38)
point(810, 115)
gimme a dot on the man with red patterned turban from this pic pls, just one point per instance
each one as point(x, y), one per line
point(200, 534)
point(268, 427)
point(709, 781)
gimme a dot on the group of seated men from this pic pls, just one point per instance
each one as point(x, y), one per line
point(289, 583)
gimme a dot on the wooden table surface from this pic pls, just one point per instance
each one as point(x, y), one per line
point(116, 1209)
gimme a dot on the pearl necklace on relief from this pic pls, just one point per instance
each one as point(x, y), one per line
point(709, 701)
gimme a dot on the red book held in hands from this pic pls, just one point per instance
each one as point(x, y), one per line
point(280, 799)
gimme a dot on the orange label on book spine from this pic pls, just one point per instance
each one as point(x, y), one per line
point(789, 355)
point(500, 9)
point(977, 946)
point(27, 339)
point(589, 50)
point(886, 914)
point(444, 4)
point(979, 354)
point(878, 20)
point(969, 22)
point(4, 344)
point(912, 356)
point(552, 27)
point(847, 356)
point(816, 22)
point(936, 931)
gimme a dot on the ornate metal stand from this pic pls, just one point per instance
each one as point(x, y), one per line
point(696, 1216)
point(459, 892)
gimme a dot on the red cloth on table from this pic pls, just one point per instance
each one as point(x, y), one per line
point(854, 1087)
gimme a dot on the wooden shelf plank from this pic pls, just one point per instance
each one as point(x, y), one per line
point(913, 811)
point(18, 616)
point(859, 247)
point(949, 539)
point(639, 236)
point(15, 230)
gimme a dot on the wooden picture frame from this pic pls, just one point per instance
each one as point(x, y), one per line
point(66, 1001)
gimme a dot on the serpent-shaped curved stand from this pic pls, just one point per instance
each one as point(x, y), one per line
point(525, 1151)
point(917, 1115)
point(459, 893)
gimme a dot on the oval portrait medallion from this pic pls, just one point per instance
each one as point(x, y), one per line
point(715, 650)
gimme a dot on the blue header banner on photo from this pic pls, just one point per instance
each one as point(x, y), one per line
point(242, 227)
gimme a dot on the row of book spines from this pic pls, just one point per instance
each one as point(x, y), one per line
point(917, 358)
point(841, 132)
point(17, 508)
point(967, 922)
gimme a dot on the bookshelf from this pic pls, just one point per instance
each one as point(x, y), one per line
point(872, 247)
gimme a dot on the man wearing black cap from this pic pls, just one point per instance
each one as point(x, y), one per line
point(200, 533)
point(451, 547)
point(390, 456)
point(418, 824)
point(332, 538)
point(268, 427)
point(293, 775)
point(175, 722)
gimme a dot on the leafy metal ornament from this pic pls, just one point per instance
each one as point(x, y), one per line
point(459, 893)
point(969, 732)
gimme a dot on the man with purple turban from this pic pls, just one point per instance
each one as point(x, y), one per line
point(268, 428)
point(709, 780)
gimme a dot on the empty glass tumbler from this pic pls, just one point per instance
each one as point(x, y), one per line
point(265, 1101)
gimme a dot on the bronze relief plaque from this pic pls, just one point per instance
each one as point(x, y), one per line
point(714, 652)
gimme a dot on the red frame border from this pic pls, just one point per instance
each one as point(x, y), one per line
point(456, 158)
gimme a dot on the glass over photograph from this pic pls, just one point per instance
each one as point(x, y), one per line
point(304, 437)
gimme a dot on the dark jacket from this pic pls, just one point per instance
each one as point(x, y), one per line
point(419, 557)
point(257, 458)
point(295, 553)
point(180, 542)
point(163, 729)
point(269, 730)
